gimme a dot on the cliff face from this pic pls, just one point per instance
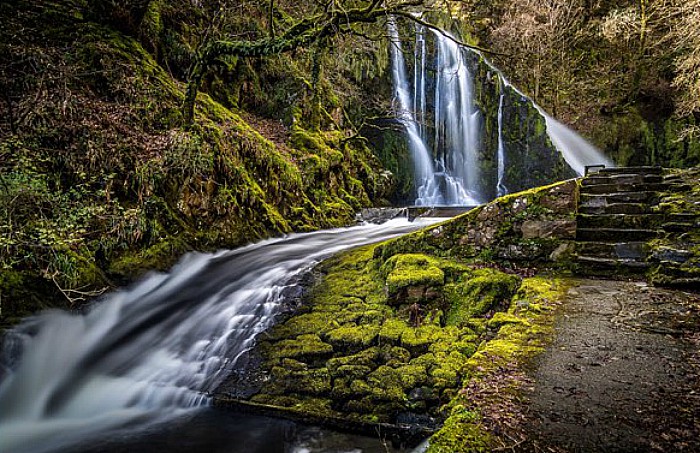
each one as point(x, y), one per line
point(531, 160)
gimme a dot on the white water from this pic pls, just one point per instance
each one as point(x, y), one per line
point(453, 177)
point(457, 138)
point(576, 150)
point(424, 171)
point(501, 189)
point(153, 351)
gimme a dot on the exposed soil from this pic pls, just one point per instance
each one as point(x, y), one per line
point(621, 375)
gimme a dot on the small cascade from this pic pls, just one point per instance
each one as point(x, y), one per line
point(576, 150)
point(419, 97)
point(155, 351)
point(501, 189)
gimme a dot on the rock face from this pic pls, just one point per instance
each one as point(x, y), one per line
point(531, 160)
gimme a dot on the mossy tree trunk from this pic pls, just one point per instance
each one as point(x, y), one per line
point(317, 27)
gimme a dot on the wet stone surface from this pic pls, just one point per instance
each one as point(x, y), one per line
point(621, 374)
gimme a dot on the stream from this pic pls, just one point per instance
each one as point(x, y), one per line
point(135, 370)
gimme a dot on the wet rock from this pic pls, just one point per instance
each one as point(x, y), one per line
point(543, 229)
point(672, 255)
point(563, 252)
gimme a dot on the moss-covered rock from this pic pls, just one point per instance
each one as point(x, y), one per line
point(304, 347)
point(479, 293)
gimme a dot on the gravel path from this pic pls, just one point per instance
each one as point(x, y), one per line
point(621, 375)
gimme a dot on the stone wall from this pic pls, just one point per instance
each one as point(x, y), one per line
point(534, 227)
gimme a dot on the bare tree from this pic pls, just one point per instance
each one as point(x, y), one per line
point(686, 39)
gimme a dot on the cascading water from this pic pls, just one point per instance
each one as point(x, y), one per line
point(424, 171)
point(155, 351)
point(501, 189)
point(454, 176)
point(456, 125)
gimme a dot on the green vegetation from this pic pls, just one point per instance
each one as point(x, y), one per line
point(100, 182)
point(624, 73)
point(375, 354)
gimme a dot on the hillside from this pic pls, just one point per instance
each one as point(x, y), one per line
point(101, 178)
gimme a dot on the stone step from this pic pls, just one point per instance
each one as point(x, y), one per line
point(621, 221)
point(671, 256)
point(619, 197)
point(686, 217)
point(608, 189)
point(624, 178)
point(648, 170)
point(613, 250)
point(610, 268)
point(600, 206)
point(615, 234)
point(678, 227)
point(682, 282)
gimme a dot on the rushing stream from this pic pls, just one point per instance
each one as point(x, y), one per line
point(146, 358)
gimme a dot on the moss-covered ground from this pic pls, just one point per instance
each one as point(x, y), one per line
point(383, 340)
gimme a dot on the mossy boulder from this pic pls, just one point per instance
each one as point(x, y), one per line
point(303, 347)
point(413, 278)
point(352, 337)
point(477, 293)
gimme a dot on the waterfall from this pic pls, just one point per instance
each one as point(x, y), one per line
point(576, 150)
point(456, 125)
point(419, 99)
point(500, 186)
point(424, 171)
point(452, 177)
point(450, 174)
point(154, 351)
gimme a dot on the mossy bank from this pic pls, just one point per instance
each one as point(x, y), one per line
point(99, 179)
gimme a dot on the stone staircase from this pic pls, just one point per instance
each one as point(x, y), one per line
point(621, 225)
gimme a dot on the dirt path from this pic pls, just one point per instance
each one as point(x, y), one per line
point(621, 374)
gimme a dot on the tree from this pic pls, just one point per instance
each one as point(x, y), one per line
point(686, 38)
point(541, 36)
point(328, 19)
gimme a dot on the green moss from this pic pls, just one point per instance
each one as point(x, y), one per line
point(413, 375)
point(387, 384)
point(501, 318)
point(316, 382)
point(395, 356)
point(411, 270)
point(307, 346)
point(462, 432)
point(367, 358)
point(484, 290)
point(391, 331)
point(448, 370)
point(307, 323)
point(418, 340)
point(353, 336)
